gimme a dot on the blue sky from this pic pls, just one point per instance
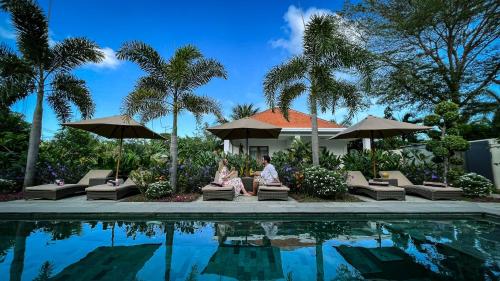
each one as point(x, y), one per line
point(248, 37)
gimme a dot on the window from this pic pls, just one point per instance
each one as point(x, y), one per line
point(256, 152)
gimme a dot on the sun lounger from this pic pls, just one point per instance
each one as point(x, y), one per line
point(215, 192)
point(266, 192)
point(106, 191)
point(358, 184)
point(426, 191)
point(54, 192)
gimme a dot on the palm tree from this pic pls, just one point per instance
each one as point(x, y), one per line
point(168, 87)
point(45, 69)
point(326, 50)
point(244, 110)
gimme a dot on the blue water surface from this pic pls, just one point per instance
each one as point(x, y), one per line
point(465, 249)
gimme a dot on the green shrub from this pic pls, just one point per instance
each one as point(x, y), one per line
point(475, 185)
point(323, 182)
point(142, 178)
point(328, 160)
point(362, 161)
point(7, 186)
point(158, 190)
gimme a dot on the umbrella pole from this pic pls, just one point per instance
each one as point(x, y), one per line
point(119, 157)
point(374, 161)
point(248, 154)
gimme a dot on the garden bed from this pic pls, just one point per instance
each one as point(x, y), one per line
point(189, 197)
point(303, 198)
point(11, 196)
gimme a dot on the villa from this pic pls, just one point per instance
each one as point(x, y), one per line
point(298, 126)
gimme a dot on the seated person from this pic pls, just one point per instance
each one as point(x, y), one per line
point(226, 178)
point(267, 176)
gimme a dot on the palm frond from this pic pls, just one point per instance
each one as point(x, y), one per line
point(282, 75)
point(73, 52)
point(67, 90)
point(31, 27)
point(144, 55)
point(154, 83)
point(16, 77)
point(244, 110)
point(287, 95)
point(202, 71)
point(200, 105)
point(146, 103)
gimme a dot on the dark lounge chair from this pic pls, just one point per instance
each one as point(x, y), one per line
point(432, 191)
point(359, 185)
point(106, 191)
point(216, 192)
point(55, 192)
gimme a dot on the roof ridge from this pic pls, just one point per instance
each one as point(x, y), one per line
point(299, 112)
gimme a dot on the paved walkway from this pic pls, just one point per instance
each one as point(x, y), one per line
point(79, 207)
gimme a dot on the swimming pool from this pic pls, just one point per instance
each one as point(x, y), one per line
point(393, 249)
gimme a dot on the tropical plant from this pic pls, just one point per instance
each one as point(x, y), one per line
point(158, 190)
point(326, 50)
point(324, 183)
point(431, 51)
point(244, 110)
point(142, 178)
point(46, 70)
point(7, 186)
point(329, 161)
point(417, 166)
point(362, 161)
point(445, 139)
point(69, 156)
point(475, 185)
point(14, 136)
point(168, 88)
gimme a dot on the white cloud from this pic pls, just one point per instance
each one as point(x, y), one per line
point(296, 19)
point(109, 61)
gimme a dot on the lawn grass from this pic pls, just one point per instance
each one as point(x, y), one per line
point(189, 197)
point(304, 198)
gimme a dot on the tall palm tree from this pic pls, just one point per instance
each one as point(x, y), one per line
point(47, 69)
point(326, 50)
point(168, 87)
point(244, 110)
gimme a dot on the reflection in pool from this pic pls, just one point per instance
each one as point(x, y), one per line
point(250, 250)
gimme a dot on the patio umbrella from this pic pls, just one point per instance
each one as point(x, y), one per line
point(109, 263)
point(116, 127)
point(374, 127)
point(245, 128)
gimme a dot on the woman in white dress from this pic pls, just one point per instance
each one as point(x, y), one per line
point(227, 178)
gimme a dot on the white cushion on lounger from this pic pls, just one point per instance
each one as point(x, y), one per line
point(51, 187)
point(217, 188)
point(274, 188)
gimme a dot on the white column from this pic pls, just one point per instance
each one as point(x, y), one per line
point(366, 144)
point(228, 147)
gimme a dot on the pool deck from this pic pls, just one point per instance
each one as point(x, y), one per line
point(78, 207)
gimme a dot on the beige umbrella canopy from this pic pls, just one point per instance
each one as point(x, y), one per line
point(374, 127)
point(115, 127)
point(245, 128)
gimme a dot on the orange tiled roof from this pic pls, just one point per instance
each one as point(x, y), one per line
point(296, 119)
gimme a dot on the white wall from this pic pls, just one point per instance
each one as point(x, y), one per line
point(338, 147)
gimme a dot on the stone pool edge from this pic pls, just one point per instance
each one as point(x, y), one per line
point(255, 210)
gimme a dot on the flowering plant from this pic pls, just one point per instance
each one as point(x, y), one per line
point(323, 182)
point(475, 185)
point(158, 189)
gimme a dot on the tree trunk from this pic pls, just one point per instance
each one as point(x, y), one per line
point(320, 276)
point(35, 136)
point(173, 151)
point(445, 160)
point(169, 245)
point(17, 265)
point(314, 133)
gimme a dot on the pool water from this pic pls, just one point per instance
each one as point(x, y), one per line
point(390, 249)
